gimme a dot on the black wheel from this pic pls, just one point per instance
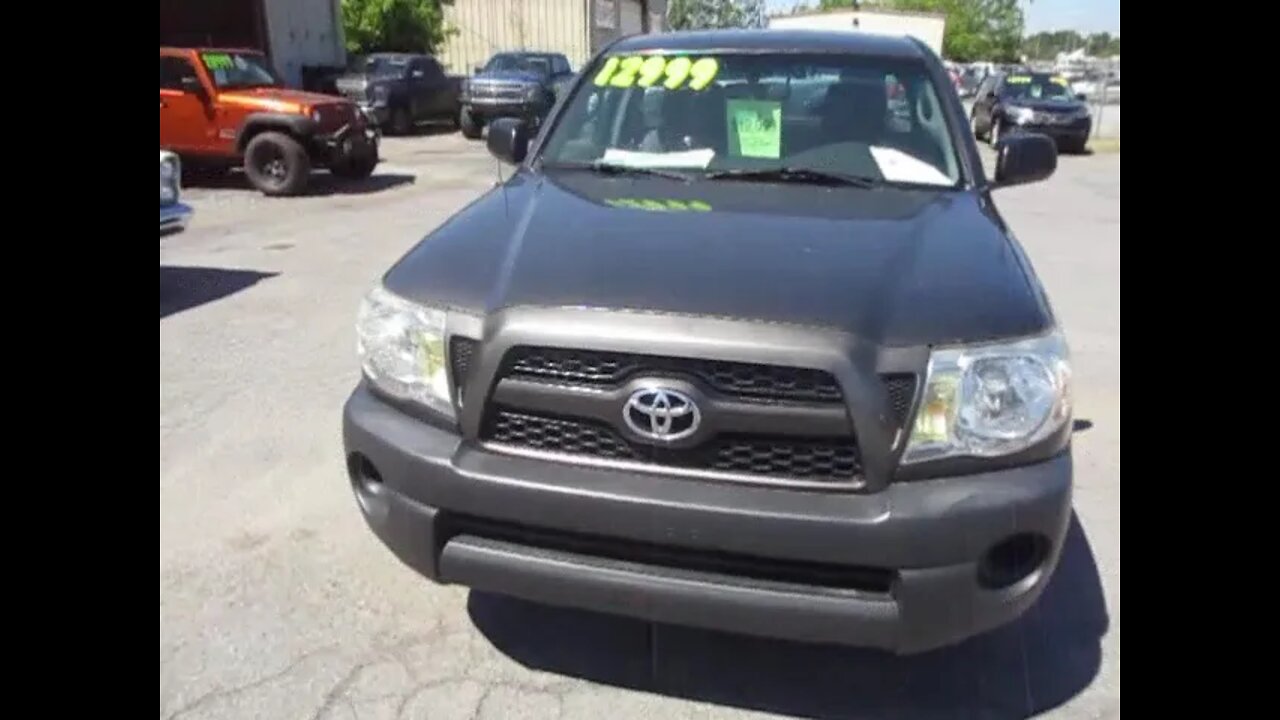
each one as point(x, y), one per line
point(276, 164)
point(356, 167)
point(401, 121)
point(1075, 147)
point(973, 124)
point(469, 126)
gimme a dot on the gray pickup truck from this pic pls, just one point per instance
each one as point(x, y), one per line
point(514, 84)
point(716, 355)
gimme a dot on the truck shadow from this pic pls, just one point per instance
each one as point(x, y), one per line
point(321, 183)
point(1027, 667)
point(183, 288)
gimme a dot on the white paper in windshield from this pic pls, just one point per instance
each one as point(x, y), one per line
point(687, 159)
point(897, 166)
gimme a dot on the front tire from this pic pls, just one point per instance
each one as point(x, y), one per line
point(401, 121)
point(468, 124)
point(277, 164)
point(357, 167)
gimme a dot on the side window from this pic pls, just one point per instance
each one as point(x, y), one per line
point(561, 65)
point(431, 71)
point(172, 70)
point(988, 85)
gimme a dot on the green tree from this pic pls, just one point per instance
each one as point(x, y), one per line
point(975, 30)
point(708, 14)
point(394, 25)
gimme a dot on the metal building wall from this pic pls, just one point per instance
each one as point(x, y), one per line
point(489, 26)
point(304, 32)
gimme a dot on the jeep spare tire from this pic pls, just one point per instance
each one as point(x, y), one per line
point(276, 164)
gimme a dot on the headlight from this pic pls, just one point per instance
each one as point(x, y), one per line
point(1081, 114)
point(1021, 114)
point(170, 177)
point(533, 93)
point(379, 94)
point(401, 349)
point(990, 400)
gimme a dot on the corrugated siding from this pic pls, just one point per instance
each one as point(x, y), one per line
point(489, 26)
point(304, 32)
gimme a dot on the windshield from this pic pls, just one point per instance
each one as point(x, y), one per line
point(519, 63)
point(379, 65)
point(877, 118)
point(1026, 87)
point(238, 70)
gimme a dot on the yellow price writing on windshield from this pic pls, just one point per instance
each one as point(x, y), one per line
point(1018, 80)
point(642, 71)
point(656, 205)
point(1060, 80)
point(217, 61)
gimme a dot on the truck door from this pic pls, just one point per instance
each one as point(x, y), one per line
point(185, 117)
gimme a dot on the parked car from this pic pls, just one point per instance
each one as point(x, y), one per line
point(174, 214)
point(399, 90)
point(753, 367)
point(229, 108)
point(513, 84)
point(1031, 102)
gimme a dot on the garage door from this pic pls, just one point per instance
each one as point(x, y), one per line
point(632, 17)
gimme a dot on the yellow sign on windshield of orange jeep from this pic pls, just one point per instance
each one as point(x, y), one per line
point(217, 61)
point(659, 205)
point(645, 71)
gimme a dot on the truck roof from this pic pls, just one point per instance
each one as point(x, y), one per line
point(777, 40)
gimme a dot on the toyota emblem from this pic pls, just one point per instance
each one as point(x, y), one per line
point(662, 414)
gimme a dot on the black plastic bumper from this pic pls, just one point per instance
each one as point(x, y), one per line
point(348, 142)
point(626, 543)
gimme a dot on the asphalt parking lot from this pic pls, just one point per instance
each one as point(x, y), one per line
point(277, 602)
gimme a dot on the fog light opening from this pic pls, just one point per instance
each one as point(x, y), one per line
point(1012, 560)
point(364, 476)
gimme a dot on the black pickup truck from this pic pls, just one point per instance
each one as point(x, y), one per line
point(399, 90)
point(513, 84)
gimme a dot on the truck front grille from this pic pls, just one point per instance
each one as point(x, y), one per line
point(833, 460)
point(591, 368)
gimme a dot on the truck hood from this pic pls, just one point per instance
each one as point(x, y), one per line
point(277, 99)
point(897, 267)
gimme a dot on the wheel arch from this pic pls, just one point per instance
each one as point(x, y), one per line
point(299, 126)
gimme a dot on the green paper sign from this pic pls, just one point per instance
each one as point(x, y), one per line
point(755, 128)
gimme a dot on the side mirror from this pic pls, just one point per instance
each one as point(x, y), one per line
point(191, 84)
point(509, 139)
point(479, 69)
point(1082, 97)
point(1024, 159)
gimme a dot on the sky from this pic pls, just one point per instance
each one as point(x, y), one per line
point(1085, 16)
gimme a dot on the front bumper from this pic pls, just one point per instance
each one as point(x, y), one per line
point(350, 141)
point(897, 570)
point(174, 217)
point(1076, 132)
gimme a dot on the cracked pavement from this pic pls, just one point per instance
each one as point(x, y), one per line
point(277, 602)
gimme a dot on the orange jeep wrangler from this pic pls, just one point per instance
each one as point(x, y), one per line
point(229, 107)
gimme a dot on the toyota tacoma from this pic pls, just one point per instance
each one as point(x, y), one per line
point(729, 349)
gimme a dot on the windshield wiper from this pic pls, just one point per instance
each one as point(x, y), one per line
point(797, 175)
point(616, 169)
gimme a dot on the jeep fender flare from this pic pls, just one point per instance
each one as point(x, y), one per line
point(300, 126)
